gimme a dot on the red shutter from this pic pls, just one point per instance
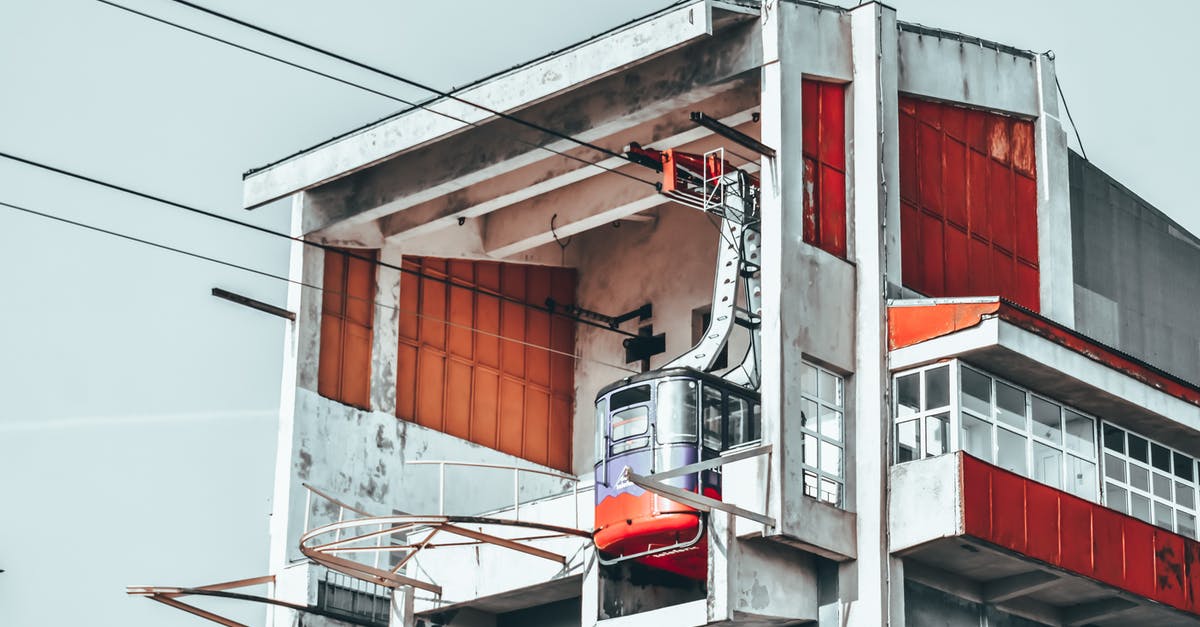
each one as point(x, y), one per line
point(347, 316)
point(824, 124)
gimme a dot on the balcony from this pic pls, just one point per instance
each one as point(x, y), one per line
point(990, 535)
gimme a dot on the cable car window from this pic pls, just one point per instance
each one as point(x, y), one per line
point(628, 422)
point(629, 396)
point(741, 422)
point(676, 418)
point(711, 417)
point(629, 445)
point(600, 428)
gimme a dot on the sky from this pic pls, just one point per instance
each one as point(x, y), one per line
point(138, 420)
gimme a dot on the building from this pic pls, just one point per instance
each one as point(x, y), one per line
point(980, 366)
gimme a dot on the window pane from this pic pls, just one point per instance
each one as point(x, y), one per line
point(1186, 523)
point(1164, 516)
point(831, 459)
point(908, 441)
point(1081, 478)
point(710, 411)
point(937, 434)
point(1185, 467)
point(908, 394)
point(632, 421)
point(831, 423)
point(1114, 467)
point(831, 388)
point(937, 387)
point(1139, 477)
point(1160, 457)
point(601, 426)
point(810, 484)
point(976, 392)
point(1081, 435)
point(740, 428)
point(1114, 439)
point(1010, 405)
point(808, 414)
point(1047, 420)
point(676, 417)
point(629, 445)
point(1139, 448)
point(631, 396)
point(1047, 465)
point(1162, 486)
point(810, 450)
point(1185, 495)
point(1139, 507)
point(1010, 451)
point(808, 380)
point(976, 437)
point(1114, 497)
point(830, 491)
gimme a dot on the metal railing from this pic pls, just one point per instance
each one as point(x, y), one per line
point(516, 482)
point(343, 594)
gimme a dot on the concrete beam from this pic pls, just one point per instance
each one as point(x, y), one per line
point(734, 108)
point(1014, 586)
point(580, 207)
point(579, 65)
point(1089, 612)
point(590, 113)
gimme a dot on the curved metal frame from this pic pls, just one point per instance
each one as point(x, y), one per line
point(686, 544)
point(326, 553)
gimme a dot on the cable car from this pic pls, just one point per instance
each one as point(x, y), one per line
point(682, 414)
point(656, 421)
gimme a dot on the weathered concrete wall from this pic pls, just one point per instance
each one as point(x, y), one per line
point(927, 607)
point(947, 66)
point(1136, 281)
point(670, 262)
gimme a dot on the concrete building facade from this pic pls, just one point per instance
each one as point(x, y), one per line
point(980, 377)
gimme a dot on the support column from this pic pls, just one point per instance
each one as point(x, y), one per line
point(402, 613)
point(875, 188)
point(385, 333)
point(1055, 252)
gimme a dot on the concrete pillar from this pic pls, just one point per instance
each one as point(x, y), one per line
point(876, 211)
point(784, 274)
point(385, 342)
point(1055, 251)
point(402, 613)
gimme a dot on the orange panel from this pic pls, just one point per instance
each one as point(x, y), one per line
point(910, 325)
point(560, 432)
point(406, 382)
point(512, 408)
point(433, 312)
point(458, 398)
point(485, 407)
point(356, 366)
point(410, 301)
point(462, 322)
point(329, 370)
point(347, 315)
point(431, 378)
point(512, 348)
point(537, 425)
point(335, 283)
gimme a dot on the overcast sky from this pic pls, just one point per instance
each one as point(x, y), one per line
point(138, 413)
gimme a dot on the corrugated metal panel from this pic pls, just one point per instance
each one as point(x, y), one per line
point(824, 124)
point(347, 316)
point(968, 194)
point(1079, 536)
point(473, 365)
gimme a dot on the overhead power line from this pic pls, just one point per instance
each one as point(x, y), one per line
point(279, 277)
point(377, 92)
point(300, 240)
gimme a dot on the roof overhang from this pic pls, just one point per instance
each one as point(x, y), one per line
point(1045, 356)
point(520, 87)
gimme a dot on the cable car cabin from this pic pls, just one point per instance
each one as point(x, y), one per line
point(657, 421)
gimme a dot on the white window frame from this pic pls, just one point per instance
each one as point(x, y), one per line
point(1151, 470)
point(821, 475)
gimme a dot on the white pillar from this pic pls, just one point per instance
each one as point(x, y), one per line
point(876, 209)
point(402, 613)
point(1055, 251)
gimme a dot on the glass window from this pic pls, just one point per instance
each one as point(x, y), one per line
point(976, 392)
point(629, 445)
point(1139, 506)
point(1114, 467)
point(1081, 478)
point(1010, 451)
point(808, 381)
point(1047, 465)
point(1010, 405)
point(1139, 477)
point(630, 396)
point(1160, 457)
point(908, 394)
point(831, 459)
point(1114, 497)
point(908, 441)
point(1047, 420)
point(823, 424)
point(1184, 467)
point(937, 434)
point(1080, 433)
point(676, 418)
point(1185, 524)
point(830, 388)
point(810, 451)
point(937, 387)
point(741, 426)
point(1185, 495)
point(1139, 448)
point(632, 421)
point(710, 411)
point(831, 423)
point(601, 426)
point(976, 437)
